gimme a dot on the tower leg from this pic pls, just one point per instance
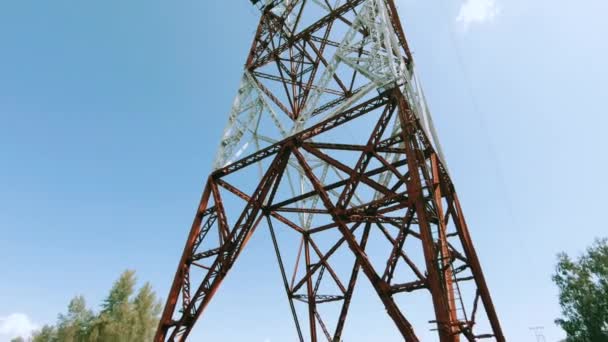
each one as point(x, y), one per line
point(166, 320)
point(407, 189)
point(482, 286)
point(224, 256)
point(438, 288)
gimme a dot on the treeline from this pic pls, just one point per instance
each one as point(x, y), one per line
point(126, 315)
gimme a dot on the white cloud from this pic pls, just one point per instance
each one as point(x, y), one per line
point(477, 11)
point(15, 325)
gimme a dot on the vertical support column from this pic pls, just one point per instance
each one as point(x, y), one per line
point(311, 295)
point(446, 256)
point(482, 286)
point(414, 188)
point(284, 277)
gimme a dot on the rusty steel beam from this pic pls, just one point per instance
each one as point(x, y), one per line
point(324, 21)
point(351, 287)
point(166, 320)
point(225, 259)
point(381, 287)
point(435, 284)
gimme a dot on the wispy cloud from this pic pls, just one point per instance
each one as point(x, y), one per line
point(15, 325)
point(477, 11)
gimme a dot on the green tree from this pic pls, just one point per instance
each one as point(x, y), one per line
point(116, 319)
point(48, 333)
point(75, 326)
point(147, 309)
point(583, 294)
point(124, 317)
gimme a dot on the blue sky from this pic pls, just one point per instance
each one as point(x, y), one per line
point(111, 111)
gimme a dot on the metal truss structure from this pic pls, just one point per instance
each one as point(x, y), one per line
point(330, 140)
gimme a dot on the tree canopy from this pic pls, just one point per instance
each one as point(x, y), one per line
point(583, 294)
point(125, 315)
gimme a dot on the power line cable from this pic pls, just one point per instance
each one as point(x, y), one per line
point(491, 148)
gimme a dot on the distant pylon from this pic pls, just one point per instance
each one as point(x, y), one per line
point(330, 143)
point(538, 333)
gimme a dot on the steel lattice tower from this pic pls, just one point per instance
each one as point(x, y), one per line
point(330, 139)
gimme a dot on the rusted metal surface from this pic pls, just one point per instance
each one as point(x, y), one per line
point(387, 180)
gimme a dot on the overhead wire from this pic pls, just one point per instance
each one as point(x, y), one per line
point(476, 109)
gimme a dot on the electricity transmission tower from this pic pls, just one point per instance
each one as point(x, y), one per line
point(331, 147)
point(538, 333)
